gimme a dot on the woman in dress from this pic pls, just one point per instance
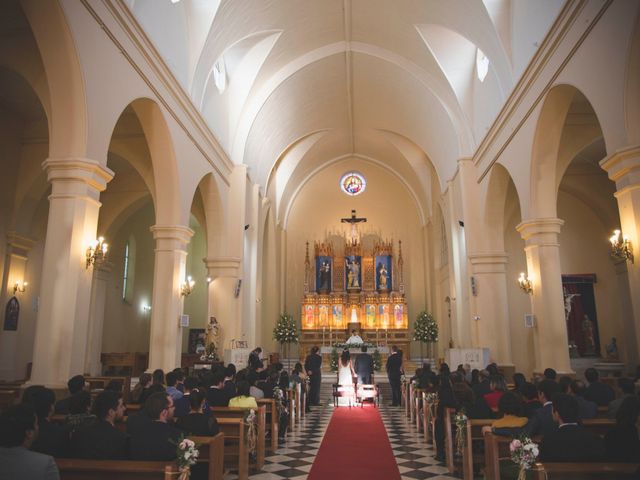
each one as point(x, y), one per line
point(345, 378)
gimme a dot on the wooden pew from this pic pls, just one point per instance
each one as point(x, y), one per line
point(582, 471)
point(448, 438)
point(418, 406)
point(211, 452)
point(76, 469)
point(8, 397)
point(404, 397)
point(101, 382)
point(411, 403)
point(271, 426)
point(474, 432)
point(227, 420)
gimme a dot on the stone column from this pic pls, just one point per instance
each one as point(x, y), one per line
point(166, 306)
point(492, 304)
point(547, 303)
point(223, 303)
point(623, 168)
point(65, 289)
point(101, 277)
point(626, 345)
point(14, 271)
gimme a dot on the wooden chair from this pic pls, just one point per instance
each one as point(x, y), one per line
point(76, 469)
point(367, 391)
point(211, 452)
point(340, 391)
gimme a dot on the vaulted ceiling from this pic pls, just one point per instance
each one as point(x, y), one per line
point(288, 86)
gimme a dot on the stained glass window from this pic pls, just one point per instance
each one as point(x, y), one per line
point(353, 183)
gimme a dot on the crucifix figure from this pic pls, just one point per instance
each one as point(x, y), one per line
point(353, 220)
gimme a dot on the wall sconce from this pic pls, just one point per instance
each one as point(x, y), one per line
point(525, 283)
point(621, 248)
point(97, 253)
point(187, 287)
point(209, 279)
point(146, 308)
point(19, 287)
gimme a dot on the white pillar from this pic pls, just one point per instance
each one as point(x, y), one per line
point(101, 277)
point(169, 274)
point(492, 305)
point(543, 263)
point(223, 303)
point(623, 168)
point(65, 291)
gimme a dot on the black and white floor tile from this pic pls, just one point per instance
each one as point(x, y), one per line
point(294, 459)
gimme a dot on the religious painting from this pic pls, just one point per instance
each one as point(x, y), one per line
point(352, 272)
point(371, 315)
point(398, 311)
point(580, 314)
point(383, 311)
point(323, 311)
point(197, 338)
point(11, 314)
point(308, 316)
point(337, 315)
point(383, 273)
point(323, 273)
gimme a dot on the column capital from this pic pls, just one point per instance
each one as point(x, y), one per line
point(171, 237)
point(20, 242)
point(541, 231)
point(623, 167)
point(223, 266)
point(90, 172)
point(488, 262)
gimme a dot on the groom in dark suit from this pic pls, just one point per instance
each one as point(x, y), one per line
point(364, 367)
point(313, 365)
point(394, 372)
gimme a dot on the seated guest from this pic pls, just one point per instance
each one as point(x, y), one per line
point(570, 442)
point(542, 421)
point(269, 384)
point(140, 392)
point(498, 386)
point(299, 376)
point(216, 394)
point(158, 376)
point(243, 399)
point(446, 399)
point(628, 390)
point(598, 392)
point(474, 408)
point(183, 404)
point(530, 397)
point(180, 376)
point(550, 374)
point(79, 415)
point(172, 378)
point(518, 382)
point(622, 443)
point(196, 422)
point(513, 421)
point(284, 381)
point(52, 438)
point(229, 380)
point(18, 429)
point(587, 408)
point(102, 440)
point(481, 388)
point(255, 392)
point(157, 439)
point(75, 385)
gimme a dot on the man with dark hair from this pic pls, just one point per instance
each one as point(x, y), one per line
point(172, 378)
point(75, 385)
point(586, 408)
point(255, 362)
point(18, 429)
point(313, 365)
point(530, 397)
point(230, 380)
point(542, 420)
point(269, 384)
point(216, 394)
point(364, 366)
point(550, 374)
point(394, 373)
point(598, 392)
point(570, 442)
point(102, 440)
point(158, 376)
point(628, 389)
point(183, 404)
point(157, 439)
point(51, 439)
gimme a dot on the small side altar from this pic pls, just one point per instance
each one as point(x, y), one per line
point(348, 287)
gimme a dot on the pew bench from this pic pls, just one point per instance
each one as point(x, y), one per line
point(78, 469)
point(273, 424)
point(585, 471)
point(211, 452)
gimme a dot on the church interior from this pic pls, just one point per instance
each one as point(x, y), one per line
point(345, 164)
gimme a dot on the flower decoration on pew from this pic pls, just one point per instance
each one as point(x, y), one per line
point(460, 419)
point(187, 455)
point(278, 395)
point(432, 403)
point(524, 453)
point(251, 420)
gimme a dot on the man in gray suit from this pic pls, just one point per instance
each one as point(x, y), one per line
point(18, 430)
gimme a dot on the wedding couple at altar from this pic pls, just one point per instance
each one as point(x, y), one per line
point(351, 373)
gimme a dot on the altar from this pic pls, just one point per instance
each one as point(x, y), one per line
point(352, 287)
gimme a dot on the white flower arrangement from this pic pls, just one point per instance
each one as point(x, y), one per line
point(524, 453)
point(187, 455)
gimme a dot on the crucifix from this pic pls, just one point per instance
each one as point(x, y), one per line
point(353, 220)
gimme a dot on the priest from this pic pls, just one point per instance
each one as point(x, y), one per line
point(354, 339)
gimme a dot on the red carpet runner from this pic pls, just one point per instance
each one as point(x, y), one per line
point(355, 446)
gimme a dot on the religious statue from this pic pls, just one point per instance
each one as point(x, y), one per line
point(212, 336)
point(353, 276)
point(325, 274)
point(382, 277)
point(587, 333)
point(612, 351)
point(568, 301)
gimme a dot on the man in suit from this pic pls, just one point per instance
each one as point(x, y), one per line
point(157, 439)
point(18, 429)
point(102, 440)
point(570, 442)
point(364, 366)
point(598, 392)
point(217, 396)
point(542, 421)
point(394, 372)
point(312, 365)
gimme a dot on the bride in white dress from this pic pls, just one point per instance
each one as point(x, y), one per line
point(346, 375)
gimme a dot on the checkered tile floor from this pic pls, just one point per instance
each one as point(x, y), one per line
point(294, 459)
